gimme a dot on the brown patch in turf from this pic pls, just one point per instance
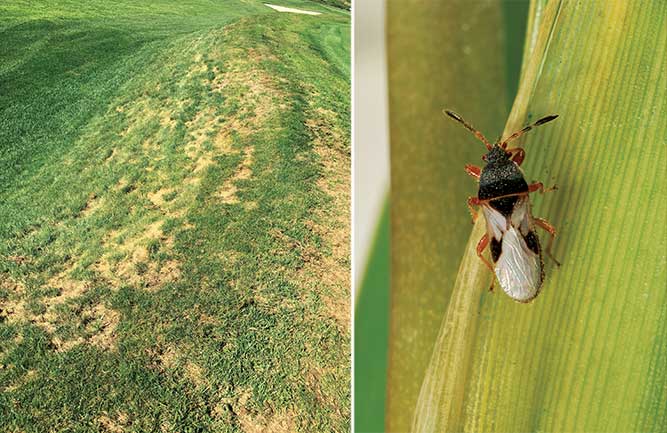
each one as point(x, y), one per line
point(157, 197)
point(244, 171)
point(238, 410)
point(198, 67)
point(283, 421)
point(29, 376)
point(98, 322)
point(195, 374)
point(101, 326)
point(322, 381)
point(250, 205)
point(136, 268)
point(68, 287)
point(15, 308)
point(330, 271)
point(119, 423)
point(166, 119)
point(169, 358)
point(92, 204)
point(12, 308)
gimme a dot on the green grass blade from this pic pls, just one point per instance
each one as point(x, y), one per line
point(588, 354)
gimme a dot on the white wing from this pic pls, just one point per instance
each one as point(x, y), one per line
point(518, 269)
point(496, 223)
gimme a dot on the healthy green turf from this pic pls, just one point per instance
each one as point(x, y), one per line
point(174, 188)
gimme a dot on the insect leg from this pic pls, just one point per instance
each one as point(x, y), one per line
point(472, 202)
point(473, 171)
point(538, 186)
point(518, 154)
point(542, 223)
point(481, 246)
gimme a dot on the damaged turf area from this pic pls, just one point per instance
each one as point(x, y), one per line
point(174, 253)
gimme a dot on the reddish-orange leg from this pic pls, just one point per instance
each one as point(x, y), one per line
point(481, 246)
point(472, 202)
point(538, 186)
point(518, 154)
point(544, 224)
point(473, 171)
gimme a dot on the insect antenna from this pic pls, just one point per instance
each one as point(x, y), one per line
point(518, 134)
point(469, 127)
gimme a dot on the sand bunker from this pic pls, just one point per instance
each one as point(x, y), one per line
point(292, 10)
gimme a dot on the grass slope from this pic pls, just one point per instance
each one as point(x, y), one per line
point(174, 229)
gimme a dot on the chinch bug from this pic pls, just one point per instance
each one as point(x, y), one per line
point(510, 226)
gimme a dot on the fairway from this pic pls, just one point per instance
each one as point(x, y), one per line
point(174, 216)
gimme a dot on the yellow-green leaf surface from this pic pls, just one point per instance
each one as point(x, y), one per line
point(590, 353)
point(440, 55)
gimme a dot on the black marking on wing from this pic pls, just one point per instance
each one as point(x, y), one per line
point(496, 249)
point(533, 242)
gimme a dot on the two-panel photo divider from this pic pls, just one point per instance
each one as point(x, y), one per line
point(333, 216)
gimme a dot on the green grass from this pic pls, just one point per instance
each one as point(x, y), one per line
point(173, 248)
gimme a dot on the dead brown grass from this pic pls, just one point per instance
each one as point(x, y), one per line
point(244, 171)
point(195, 374)
point(136, 267)
point(257, 88)
point(116, 424)
point(29, 376)
point(128, 261)
point(102, 324)
point(330, 272)
point(169, 358)
point(157, 197)
point(251, 421)
point(99, 322)
point(12, 308)
point(92, 204)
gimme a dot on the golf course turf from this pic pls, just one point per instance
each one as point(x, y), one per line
point(174, 217)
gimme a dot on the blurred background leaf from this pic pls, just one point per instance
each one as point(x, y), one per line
point(371, 334)
point(589, 353)
point(453, 55)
